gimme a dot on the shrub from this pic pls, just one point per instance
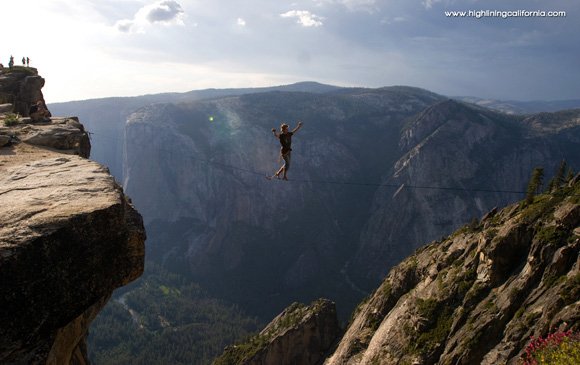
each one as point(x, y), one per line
point(552, 235)
point(559, 348)
point(10, 119)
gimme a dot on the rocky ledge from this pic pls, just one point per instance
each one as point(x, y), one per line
point(299, 335)
point(68, 237)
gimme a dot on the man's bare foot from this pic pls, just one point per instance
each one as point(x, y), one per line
point(285, 178)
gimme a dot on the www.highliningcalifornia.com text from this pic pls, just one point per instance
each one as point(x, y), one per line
point(505, 14)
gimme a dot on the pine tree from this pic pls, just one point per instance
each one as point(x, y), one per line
point(560, 175)
point(550, 186)
point(569, 175)
point(535, 185)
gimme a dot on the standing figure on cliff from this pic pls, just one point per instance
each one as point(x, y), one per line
point(286, 142)
point(11, 63)
point(27, 62)
point(23, 61)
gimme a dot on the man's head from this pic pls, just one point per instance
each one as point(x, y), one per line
point(284, 128)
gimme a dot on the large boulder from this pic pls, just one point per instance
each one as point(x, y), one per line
point(68, 238)
point(62, 134)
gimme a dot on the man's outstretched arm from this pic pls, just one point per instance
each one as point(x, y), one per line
point(297, 128)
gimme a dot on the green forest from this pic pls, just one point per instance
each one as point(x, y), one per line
point(163, 319)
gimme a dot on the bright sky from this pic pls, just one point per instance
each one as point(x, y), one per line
point(99, 48)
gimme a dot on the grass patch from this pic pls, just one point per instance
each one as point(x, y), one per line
point(465, 281)
point(542, 207)
point(552, 235)
point(440, 319)
point(10, 119)
point(571, 290)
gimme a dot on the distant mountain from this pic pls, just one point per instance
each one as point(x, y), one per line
point(212, 214)
point(522, 107)
point(106, 117)
point(375, 174)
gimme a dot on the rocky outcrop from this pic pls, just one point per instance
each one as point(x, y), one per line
point(21, 87)
point(66, 135)
point(477, 296)
point(69, 236)
point(61, 133)
point(299, 335)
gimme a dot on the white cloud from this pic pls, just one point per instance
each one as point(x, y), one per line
point(241, 22)
point(428, 4)
point(304, 17)
point(354, 5)
point(166, 12)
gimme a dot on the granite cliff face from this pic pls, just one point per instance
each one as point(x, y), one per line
point(477, 296)
point(69, 236)
point(375, 173)
point(458, 162)
point(299, 335)
point(214, 216)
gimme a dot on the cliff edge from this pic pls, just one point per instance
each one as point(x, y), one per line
point(68, 237)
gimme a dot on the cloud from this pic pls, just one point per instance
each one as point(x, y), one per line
point(304, 17)
point(429, 3)
point(125, 25)
point(165, 12)
point(354, 5)
point(241, 22)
